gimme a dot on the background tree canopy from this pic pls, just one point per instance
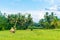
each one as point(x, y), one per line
point(21, 22)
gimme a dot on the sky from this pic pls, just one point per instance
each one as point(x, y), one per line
point(36, 8)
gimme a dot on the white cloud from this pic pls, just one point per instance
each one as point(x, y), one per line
point(37, 15)
point(54, 7)
point(51, 1)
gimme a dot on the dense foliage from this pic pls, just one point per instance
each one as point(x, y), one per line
point(20, 21)
point(50, 21)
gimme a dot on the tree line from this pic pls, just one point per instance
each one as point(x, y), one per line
point(23, 22)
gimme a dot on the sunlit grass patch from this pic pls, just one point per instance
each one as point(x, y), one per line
point(30, 35)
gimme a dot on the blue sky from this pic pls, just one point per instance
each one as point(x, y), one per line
point(36, 7)
point(23, 4)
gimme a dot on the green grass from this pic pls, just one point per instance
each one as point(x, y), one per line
point(30, 35)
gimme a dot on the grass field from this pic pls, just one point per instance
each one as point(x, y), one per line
point(30, 35)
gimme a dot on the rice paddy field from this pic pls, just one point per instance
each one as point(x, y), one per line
point(37, 34)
